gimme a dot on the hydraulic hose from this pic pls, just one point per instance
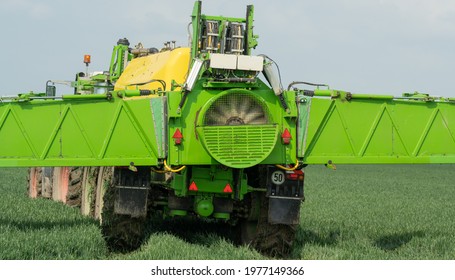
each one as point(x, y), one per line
point(168, 168)
point(288, 168)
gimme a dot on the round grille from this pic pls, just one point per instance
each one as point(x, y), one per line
point(237, 130)
point(236, 109)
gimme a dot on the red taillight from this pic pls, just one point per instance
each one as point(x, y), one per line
point(227, 188)
point(295, 175)
point(177, 137)
point(286, 136)
point(292, 176)
point(193, 187)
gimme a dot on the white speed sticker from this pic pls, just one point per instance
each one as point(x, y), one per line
point(278, 177)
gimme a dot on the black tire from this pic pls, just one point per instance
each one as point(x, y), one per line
point(122, 233)
point(90, 189)
point(273, 240)
point(74, 195)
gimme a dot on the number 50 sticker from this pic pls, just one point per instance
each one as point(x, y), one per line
point(278, 177)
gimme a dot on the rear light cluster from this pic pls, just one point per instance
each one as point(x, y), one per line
point(177, 137)
point(295, 175)
point(286, 137)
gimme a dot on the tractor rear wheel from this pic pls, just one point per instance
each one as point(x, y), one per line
point(35, 178)
point(89, 191)
point(40, 180)
point(74, 195)
point(122, 233)
point(273, 240)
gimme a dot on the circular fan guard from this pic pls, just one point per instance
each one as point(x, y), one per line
point(237, 130)
point(236, 109)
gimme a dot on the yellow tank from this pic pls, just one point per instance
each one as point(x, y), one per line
point(166, 66)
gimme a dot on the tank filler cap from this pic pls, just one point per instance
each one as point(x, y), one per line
point(123, 41)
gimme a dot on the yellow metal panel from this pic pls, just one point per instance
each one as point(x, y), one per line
point(166, 66)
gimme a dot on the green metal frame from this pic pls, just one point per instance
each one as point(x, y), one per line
point(363, 128)
point(106, 130)
point(119, 59)
point(193, 150)
point(80, 131)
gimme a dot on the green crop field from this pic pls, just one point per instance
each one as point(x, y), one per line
point(356, 212)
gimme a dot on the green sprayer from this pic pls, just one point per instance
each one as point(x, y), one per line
point(197, 132)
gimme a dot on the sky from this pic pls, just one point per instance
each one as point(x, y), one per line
point(362, 46)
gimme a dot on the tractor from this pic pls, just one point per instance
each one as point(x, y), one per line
point(207, 131)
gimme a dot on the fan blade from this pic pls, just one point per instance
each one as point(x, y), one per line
point(234, 109)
